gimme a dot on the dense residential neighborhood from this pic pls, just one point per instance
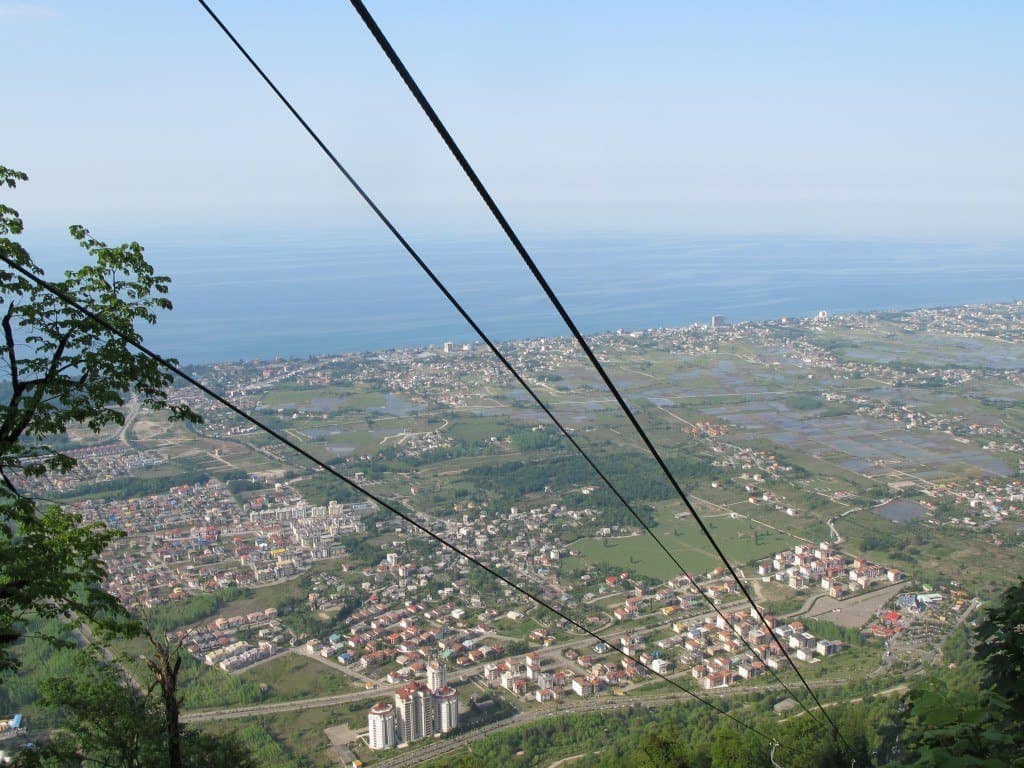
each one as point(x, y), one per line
point(434, 648)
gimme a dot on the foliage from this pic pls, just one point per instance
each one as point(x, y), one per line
point(803, 402)
point(107, 720)
point(50, 567)
point(831, 631)
point(970, 715)
point(39, 659)
point(1001, 648)
point(526, 440)
point(63, 368)
point(110, 721)
point(507, 483)
point(203, 687)
point(264, 750)
point(540, 741)
point(133, 487)
point(195, 608)
point(295, 614)
point(959, 725)
point(323, 487)
point(686, 736)
point(958, 648)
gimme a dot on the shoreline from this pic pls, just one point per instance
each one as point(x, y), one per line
point(474, 345)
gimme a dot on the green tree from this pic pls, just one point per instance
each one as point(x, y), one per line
point(731, 749)
point(971, 716)
point(1001, 648)
point(663, 749)
point(110, 720)
point(64, 368)
point(50, 567)
point(60, 369)
point(808, 742)
point(957, 723)
point(106, 720)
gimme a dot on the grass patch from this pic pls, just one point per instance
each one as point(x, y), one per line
point(294, 676)
point(742, 541)
point(476, 430)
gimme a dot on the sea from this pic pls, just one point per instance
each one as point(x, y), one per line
point(252, 296)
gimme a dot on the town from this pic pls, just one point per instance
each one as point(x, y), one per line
point(804, 444)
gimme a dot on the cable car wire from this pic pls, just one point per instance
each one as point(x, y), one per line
point(492, 206)
point(494, 349)
point(133, 340)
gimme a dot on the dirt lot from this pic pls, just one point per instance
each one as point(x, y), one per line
point(854, 611)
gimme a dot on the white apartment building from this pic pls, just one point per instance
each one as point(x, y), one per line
point(383, 726)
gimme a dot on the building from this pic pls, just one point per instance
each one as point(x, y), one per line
point(717, 321)
point(415, 712)
point(437, 675)
point(583, 686)
point(446, 709)
point(383, 726)
point(419, 711)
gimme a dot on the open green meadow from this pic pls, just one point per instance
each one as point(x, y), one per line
point(296, 676)
point(743, 540)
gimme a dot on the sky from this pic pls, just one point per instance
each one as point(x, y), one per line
point(806, 118)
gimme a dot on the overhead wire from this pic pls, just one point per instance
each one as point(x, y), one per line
point(502, 358)
point(133, 340)
point(517, 244)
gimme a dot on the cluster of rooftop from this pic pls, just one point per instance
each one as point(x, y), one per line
point(197, 538)
point(717, 651)
point(216, 644)
point(95, 464)
point(835, 572)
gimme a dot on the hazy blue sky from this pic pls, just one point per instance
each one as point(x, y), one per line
point(691, 117)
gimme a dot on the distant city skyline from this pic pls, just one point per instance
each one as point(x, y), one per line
point(865, 120)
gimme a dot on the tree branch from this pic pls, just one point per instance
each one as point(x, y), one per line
point(40, 387)
point(7, 482)
point(11, 357)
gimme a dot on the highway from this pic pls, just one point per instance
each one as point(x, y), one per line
point(452, 744)
point(444, 746)
point(254, 710)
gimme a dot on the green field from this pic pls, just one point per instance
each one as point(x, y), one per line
point(294, 676)
point(301, 734)
point(642, 555)
point(476, 429)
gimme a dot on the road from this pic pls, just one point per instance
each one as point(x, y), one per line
point(444, 746)
point(255, 710)
point(130, 415)
point(452, 744)
point(836, 537)
point(567, 760)
point(901, 688)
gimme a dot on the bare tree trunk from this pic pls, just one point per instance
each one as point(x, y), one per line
point(165, 665)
